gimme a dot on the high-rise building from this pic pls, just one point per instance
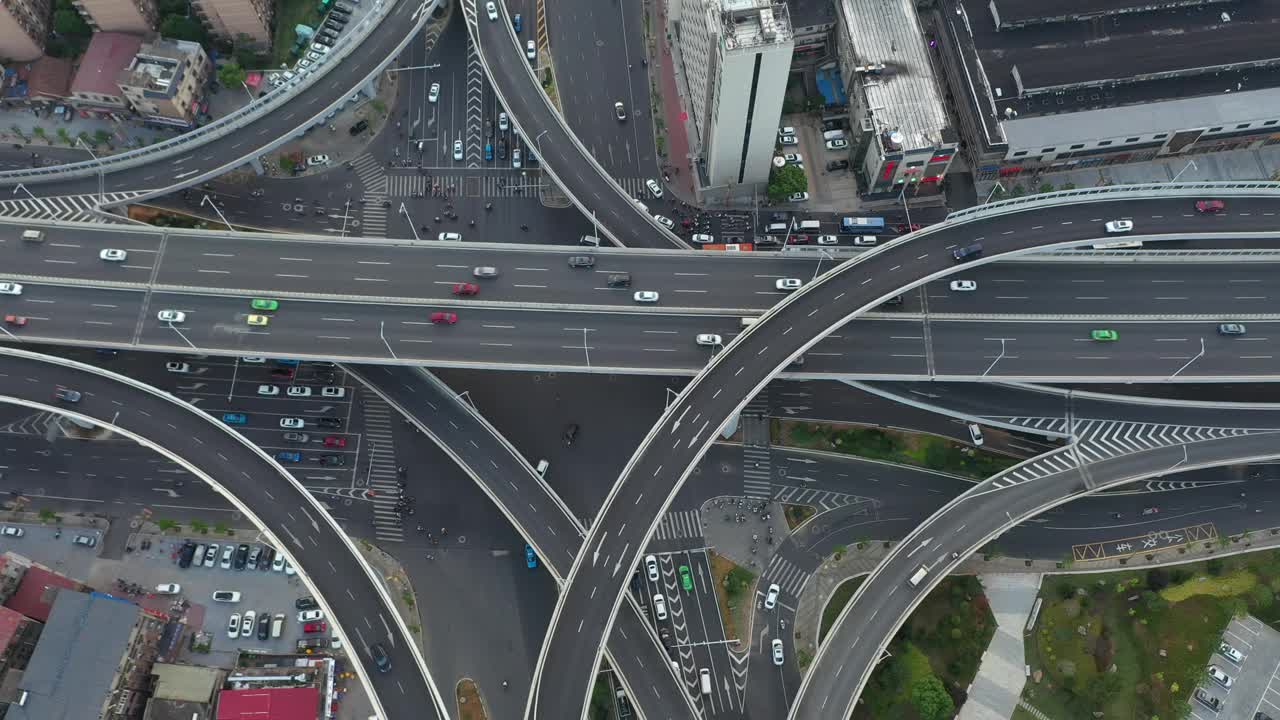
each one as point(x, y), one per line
point(735, 56)
point(23, 27)
point(131, 16)
point(237, 20)
point(164, 83)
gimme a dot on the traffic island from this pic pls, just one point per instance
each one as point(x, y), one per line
point(470, 704)
point(907, 448)
point(735, 591)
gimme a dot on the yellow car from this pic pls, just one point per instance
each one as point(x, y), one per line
point(259, 320)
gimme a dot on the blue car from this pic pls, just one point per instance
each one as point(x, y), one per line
point(286, 362)
point(488, 151)
point(289, 456)
point(235, 418)
point(530, 560)
point(517, 22)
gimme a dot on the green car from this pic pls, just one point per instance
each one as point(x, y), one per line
point(686, 579)
point(264, 304)
point(1104, 335)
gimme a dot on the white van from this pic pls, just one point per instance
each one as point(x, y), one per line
point(591, 240)
point(543, 467)
point(865, 240)
point(918, 576)
point(33, 235)
point(704, 680)
point(975, 433)
point(277, 625)
point(833, 135)
point(810, 226)
point(777, 229)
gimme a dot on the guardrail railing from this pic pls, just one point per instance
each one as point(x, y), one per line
point(220, 128)
point(1118, 192)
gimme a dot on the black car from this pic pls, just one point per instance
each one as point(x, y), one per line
point(359, 127)
point(333, 461)
point(665, 635)
point(323, 41)
point(264, 625)
point(186, 554)
point(380, 657)
point(268, 554)
point(306, 602)
point(570, 433)
point(502, 148)
point(242, 557)
point(838, 165)
point(1208, 700)
point(779, 217)
point(330, 35)
point(895, 300)
point(620, 280)
point(330, 422)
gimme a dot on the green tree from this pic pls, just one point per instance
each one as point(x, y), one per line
point(601, 704)
point(199, 526)
point(68, 22)
point(1261, 596)
point(784, 181)
point(165, 525)
point(181, 27)
point(1102, 688)
point(1045, 188)
point(231, 75)
point(47, 515)
point(101, 137)
point(931, 699)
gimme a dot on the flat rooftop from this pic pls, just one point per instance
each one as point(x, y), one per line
point(1130, 56)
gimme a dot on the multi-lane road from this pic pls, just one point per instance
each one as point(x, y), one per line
point(636, 503)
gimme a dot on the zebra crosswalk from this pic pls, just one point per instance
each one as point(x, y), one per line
point(680, 525)
point(381, 471)
point(75, 208)
point(790, 578)
point(485, 185)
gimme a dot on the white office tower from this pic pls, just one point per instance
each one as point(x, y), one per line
point(735, 57)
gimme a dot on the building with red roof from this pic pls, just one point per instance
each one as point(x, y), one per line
point(293, 703)
point(95, 83)
point(37, 590)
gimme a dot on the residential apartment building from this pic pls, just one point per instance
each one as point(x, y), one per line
point(237, 19)
point(901, 141)
point(165, 81)
point(130, 16)
point(23, 27)
point(1044, 85)
point(811, 24)
point(95, 87)
point(736, 56)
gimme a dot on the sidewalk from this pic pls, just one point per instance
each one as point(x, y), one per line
point(995, 691)
point(672, 131)
point(1260, 164)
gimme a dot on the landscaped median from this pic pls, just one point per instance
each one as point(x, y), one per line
point(915, 449)
point(934, 657)
point(1135, 644)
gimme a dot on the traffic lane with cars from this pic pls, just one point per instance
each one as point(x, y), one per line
point(382, 39)
point(599, 54)
point(506, 477)
point(644, 491)
point(328, 561)
point(509, 71)
point(85, 314)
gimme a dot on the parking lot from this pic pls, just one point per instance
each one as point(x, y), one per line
point(55, 548)
point(1253, 675)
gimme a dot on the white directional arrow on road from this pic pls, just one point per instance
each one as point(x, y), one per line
point(792, 410)
point(922, 545)
point(171, 493)
point(807, 461)
point(595, 556)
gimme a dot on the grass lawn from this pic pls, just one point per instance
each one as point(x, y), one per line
point(735, 589)
point(290, 14)
point(796, 514)
point(919, 450)
point(839, 599)
point(1126, 620)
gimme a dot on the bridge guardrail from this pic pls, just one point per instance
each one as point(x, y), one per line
point(220, 128)
point(1119, 192)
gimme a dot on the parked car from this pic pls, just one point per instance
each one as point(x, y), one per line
point(85, 541)
point(333, 441)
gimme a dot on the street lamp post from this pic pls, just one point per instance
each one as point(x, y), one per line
point(821, 254)
point(902, 197)
point(24, 189)
point(184, 337)
point(249, 92)
point(998, 359)
point(235, 369)
point(214, 205)
point(1188, 363)
point(382, 326)
point(991, 194)
point(1190, 163)
point(101, 173)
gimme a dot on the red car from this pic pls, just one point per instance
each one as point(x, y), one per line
point(16, 320)
point(444, 318)
point(335, 441)
point(315, 627)
point(903, 228)
point(466, 289)
point(281, 372)
point(798, 240)
point(1210, 206)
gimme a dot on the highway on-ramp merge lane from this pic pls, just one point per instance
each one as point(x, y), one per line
point(634, 506)
point(346, 585)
